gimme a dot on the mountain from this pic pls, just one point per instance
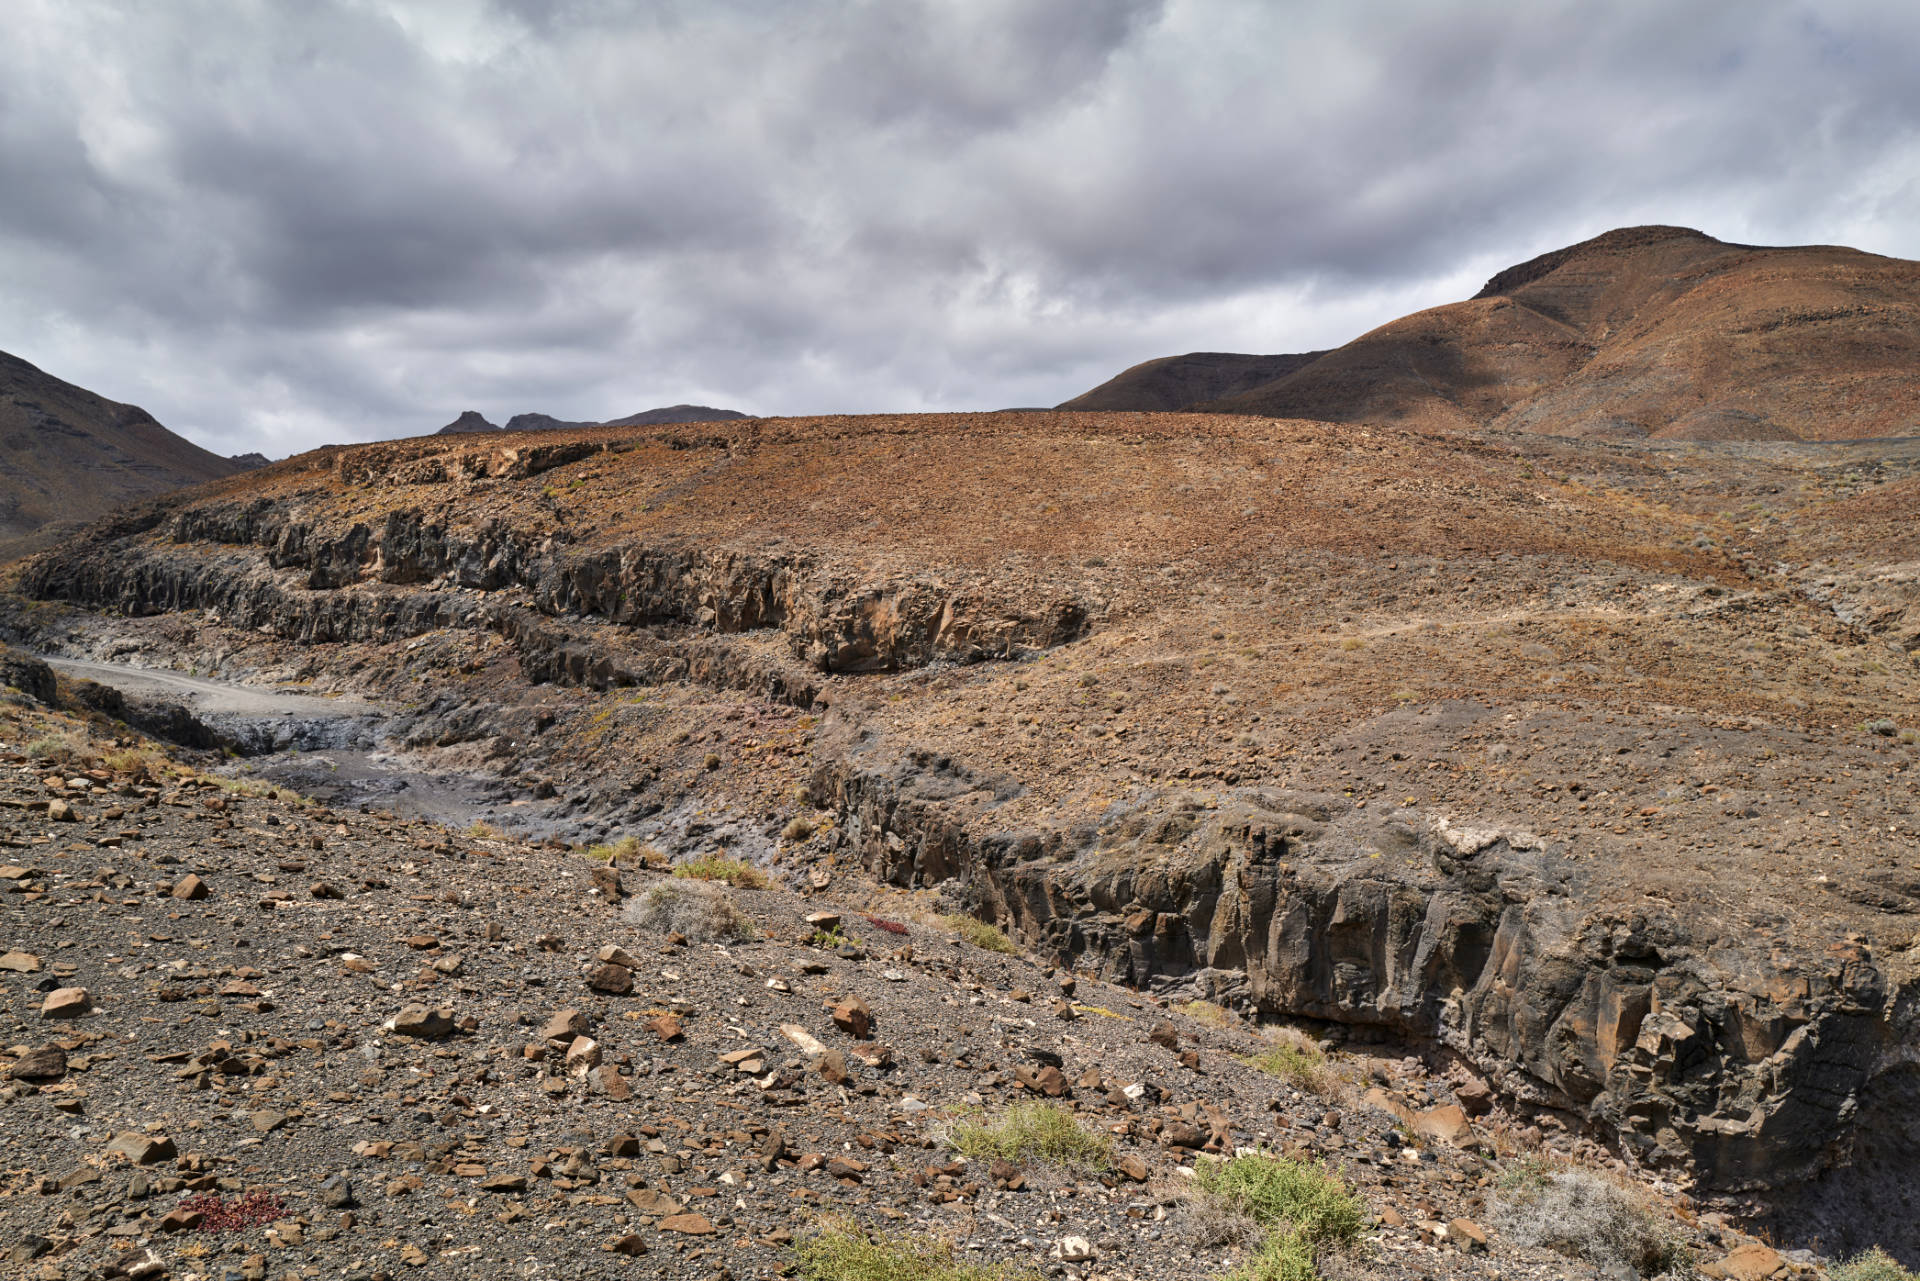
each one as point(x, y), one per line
point(68, 455)
point(676, 414)
point(1660, 332)
point(1175, 382)
point(469, 420)
point(541, 422)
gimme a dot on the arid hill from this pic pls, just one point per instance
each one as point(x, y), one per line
point(1658, 332)
point(1588, 765)
point(68, 455)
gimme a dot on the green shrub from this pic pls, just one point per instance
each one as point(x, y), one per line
point(1284, 1255)
point(1282, 1193)
point(1875, 1265)
point(1036, 1133)
point(712, 867)
point(840, 1251)
point(798, 828)
point(980, 934)
point(1299, 1063)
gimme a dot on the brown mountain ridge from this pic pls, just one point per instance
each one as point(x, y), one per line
point(69, 455)
point(1644, 332)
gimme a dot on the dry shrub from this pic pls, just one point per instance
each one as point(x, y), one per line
point(699, 910)
point(1583, 1216)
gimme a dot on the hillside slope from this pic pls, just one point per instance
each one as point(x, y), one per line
point(67, 454)
point(1658, 332)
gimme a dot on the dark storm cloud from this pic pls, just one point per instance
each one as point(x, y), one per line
point(279, 224)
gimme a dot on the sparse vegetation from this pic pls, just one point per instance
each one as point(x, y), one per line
point(1297, 1061)
point(798, 828)
point(714, 867)
point(1583, 1216)
point(828, 939)
point(1204, 1012)
point(1875, 1265)
point(841, 1251)
point(980, 934)
point(628, 851)
point(1033, 1133)
point(482, 831)
point(698, 910)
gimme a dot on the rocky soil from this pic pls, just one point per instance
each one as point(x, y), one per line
point(249, 1036)
point(1578, 771)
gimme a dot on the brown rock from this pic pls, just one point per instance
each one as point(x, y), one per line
point(1475, 1097)
point(612, 954)
point(1749, 1263)
point(190, 887)
point(613, 980)
point(47, 1064)
point(1166, 1035)
point(505, 1183)
point(693, 1225)
point(629, 1245)
point(180, 1219)
point(1444, 1124)
point(1468, 1235)
point(845, 1167)
point(426, 1024)
point(61, 812)
point(1048, 1080)
point(20, 963)
point(833, 1066)
point(565, 1026)
point(142, 1149)
point(607, 1079)
point(606, 881)
point(854, 1018)
point(648, 1201)
point(66, 1003)
point(666, 1027)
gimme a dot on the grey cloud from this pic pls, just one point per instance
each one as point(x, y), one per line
point(278, 225)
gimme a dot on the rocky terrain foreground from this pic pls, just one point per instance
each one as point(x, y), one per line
point(248, 1036)
point(1579, 772)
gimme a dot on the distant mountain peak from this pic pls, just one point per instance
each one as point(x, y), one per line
point(469, 420)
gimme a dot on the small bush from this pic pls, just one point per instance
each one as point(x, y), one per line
point(828, 939)
point(1280, 1193)
point(980, 934)
point(1283, 1256)
point(1583, 1216)
point(1875, 1265)
point(712, 867)
point(1038, 1133)
point(882, 923)
point(697, 909)
point(840, 1251)
point(798, 828)
point(482, 831)
point(1298, 1062)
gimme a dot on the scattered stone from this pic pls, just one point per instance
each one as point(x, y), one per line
point(142, 1149)
point(66, 1003)
point(46, 1064)
point(693, 1225)
point(612, 980)
point(853, 1017)
point(190, 887)
point(565, 1026)
point(1467, 1234)
point(1074, 1250)
point(1754, 1262)
point(20, 963)
point(423, 1023)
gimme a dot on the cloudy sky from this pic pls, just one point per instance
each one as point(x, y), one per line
point(276, 224)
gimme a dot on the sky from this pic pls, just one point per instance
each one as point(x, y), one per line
point(276, 225)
